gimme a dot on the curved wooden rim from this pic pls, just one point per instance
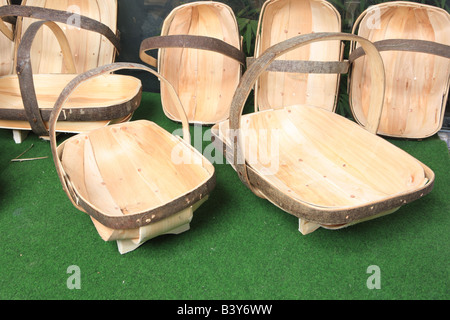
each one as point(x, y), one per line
point(239, 56)
point(105, 113)
point(62, 17)
point(263, 62)
point(330, 67)
point(261, 187)
point(188, 41)
point(264, 189)
point(5, 30)
point(391, 4)
point(135, 220)
point(410, 45)
point(25, 73)
point(328, 215)
point(24, 69)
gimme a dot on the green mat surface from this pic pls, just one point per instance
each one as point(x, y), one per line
point(239, 246)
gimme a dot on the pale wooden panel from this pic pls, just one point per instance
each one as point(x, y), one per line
point(416, 83)
point(285, 19)
point(205, 81)
point(323, 159)
point(6, 49)
point(128, 168)
point(89, 48)
point(104, 90)
point(101, 91)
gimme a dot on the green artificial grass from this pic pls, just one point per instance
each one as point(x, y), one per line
point(239, 246)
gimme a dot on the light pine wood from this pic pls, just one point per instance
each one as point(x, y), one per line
point(284, 19)
point(7, 62)
point(304, 152)
point(135, 179)
point(52, 72)
point(154, 180)
point(129, 168)
point(6, 48)
point(313, 144)
point(103, 91)
point(319, 166)
point(89, 49)
point(205, 81)
point(416, 83)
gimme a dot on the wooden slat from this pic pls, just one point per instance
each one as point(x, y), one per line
point(415, 82)
point(89, 48)
point(102, 91)
point(283, 20)
point(205, 81)
point(129, 168)
point(6, 49)
point(313, 162)
point(97, 191)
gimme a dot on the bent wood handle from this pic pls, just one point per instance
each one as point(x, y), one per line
point(59, 16)
point(305, 66)
point(73, 85)
point(188, 41)
point(9, 33)
point(23, 64)
point(263, 62)
point(412, 45)
point(25, 72)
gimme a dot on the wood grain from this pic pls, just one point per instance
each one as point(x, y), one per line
point(89, 48)
point(416, 83)
point(284, 19)
point(101, 92)
point(6, 49)
point(205, 81)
